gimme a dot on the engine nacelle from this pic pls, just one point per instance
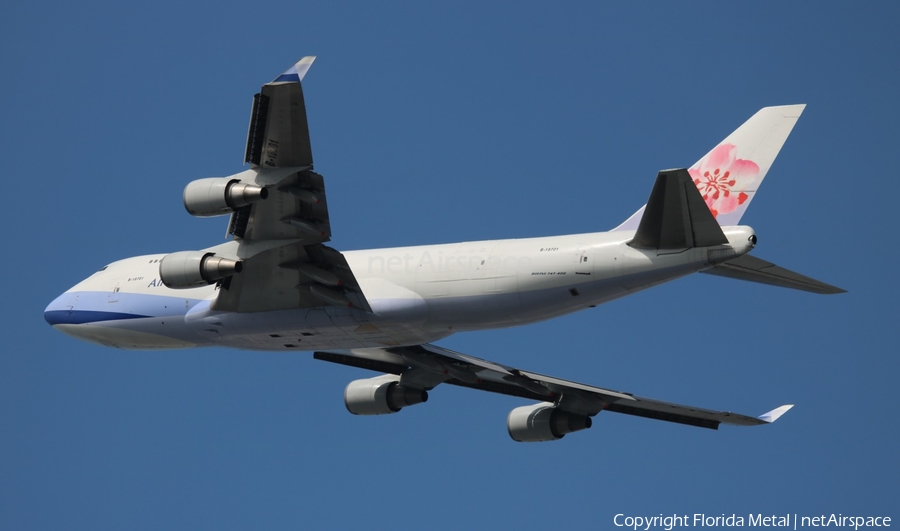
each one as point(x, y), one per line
point(191, 269)
point(543, 422)
point(220, 195)
point(381, 395)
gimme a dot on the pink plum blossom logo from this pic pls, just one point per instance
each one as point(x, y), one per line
point(722, 179)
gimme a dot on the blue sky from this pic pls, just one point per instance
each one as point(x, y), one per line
point(440, 123)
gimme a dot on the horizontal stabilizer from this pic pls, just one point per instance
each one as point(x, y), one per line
point(676, 217)
point(755, 270)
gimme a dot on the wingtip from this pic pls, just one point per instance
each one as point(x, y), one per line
point(295, 73)
point(827, 289)
point(773, 415)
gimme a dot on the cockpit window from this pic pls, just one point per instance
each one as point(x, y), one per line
point(102, 268)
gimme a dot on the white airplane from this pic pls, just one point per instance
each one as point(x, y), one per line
point(275, 285)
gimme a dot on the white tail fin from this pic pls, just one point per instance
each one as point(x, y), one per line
point(730, 174)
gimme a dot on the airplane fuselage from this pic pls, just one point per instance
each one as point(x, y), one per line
point(417, 294)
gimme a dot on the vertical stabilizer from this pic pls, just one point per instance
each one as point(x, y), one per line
point(676, 217)
point(731, 173)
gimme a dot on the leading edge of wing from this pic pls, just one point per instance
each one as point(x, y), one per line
point(455, 368)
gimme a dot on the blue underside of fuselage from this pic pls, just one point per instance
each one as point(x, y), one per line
point(84, 307)
point(55, 317)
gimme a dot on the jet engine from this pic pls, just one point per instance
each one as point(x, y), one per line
point(381, 395)
point(543, 422)
point(191, 269)
point(220, 195)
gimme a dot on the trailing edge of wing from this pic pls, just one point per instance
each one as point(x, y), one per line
point(754, 269)
point(426, 366)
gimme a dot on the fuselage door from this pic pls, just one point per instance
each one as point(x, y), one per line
point(583, 261)
point(114, 294)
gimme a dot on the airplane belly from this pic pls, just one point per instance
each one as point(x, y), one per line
point(327, 327)
point(124, 338)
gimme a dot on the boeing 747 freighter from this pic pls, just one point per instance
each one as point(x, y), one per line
point(276, 285)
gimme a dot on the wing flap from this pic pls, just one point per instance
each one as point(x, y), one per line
point(259, 116)
point(753, 269)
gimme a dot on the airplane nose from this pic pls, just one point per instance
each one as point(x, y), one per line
point(60, 310)
point(63, 316)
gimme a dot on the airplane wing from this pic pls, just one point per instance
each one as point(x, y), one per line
point(426, 366)
point(287, 264)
